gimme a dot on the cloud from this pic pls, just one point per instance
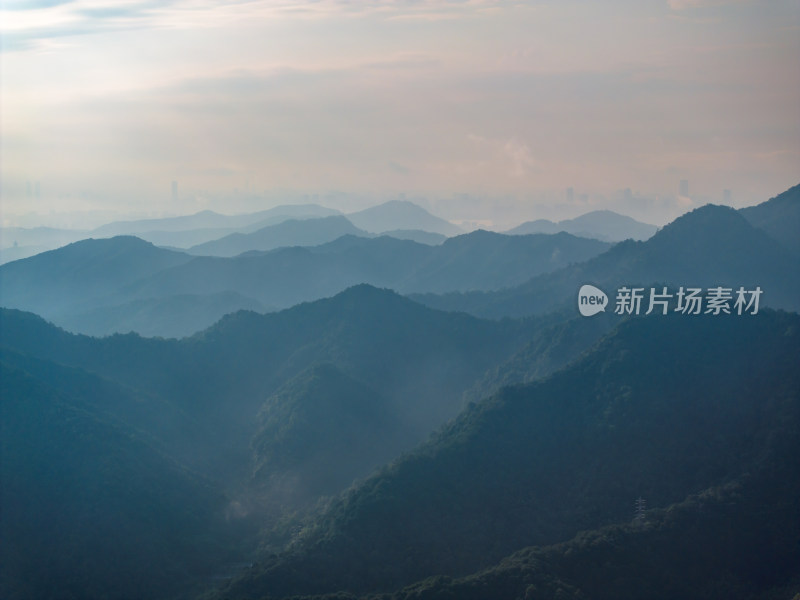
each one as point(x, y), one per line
point(404, 61)
point(521, 157)
point(21, 5)
point(690, 4)
point(512, 155)
point(31, 26)
point(63, 18)
point(398, 168)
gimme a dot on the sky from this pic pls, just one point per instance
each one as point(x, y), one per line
point(481, 110)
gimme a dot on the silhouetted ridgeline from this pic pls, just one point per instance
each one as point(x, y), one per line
point(779, 217)
point(603, 225)
point(708, 247)
point(123, 284)
point(292, 232)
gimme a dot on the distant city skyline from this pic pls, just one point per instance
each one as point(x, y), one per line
point(486, 110)
point(466, 210)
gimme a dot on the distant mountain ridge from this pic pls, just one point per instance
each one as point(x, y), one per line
point(401, 214)
point(61, 286)
point(178, 232)
point(208, 219)
point(605, 225)
point(292, 232)
point(708, 247)
point(73, 276)
point(779, 217)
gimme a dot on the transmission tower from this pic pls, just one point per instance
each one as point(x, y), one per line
point(641, 510)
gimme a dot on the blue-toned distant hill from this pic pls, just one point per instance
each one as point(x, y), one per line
point(401, 214)
point(209, 219)
point(708, 247)
point(176, 316)
point(283, 277)
point(417, 235)
point(82, 287)
point(13, 253)
point(292, 232)
point(483, 260)
point(174, 232)
point(77, 275)
point(190, 230)
point(603, 225)
point(123, 284)
point(21, 242)
point(698, 417)
point(779, 217)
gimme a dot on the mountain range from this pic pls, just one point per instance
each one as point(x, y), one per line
point(248, 357)
point(654, 411)
point(123, 284)
point(400, 219)
point(210, 220)
point(257, 415)
point(709, 247)
point(292, 232)
point(401, 214)
point(354, 443)
point(603, 225)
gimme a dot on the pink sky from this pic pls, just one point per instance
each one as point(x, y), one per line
point(106, 103)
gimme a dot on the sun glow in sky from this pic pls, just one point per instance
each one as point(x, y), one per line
point(105, 103)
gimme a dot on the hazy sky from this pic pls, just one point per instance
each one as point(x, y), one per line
point(106, 102)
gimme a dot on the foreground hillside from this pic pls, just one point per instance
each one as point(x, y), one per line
point(706, 547)
point(662, 409)
point(91, 508)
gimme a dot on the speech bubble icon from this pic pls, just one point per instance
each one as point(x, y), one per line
point(591, 300)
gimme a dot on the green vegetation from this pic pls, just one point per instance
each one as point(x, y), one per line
point(662, 408)
point(276, 410)
point(320, 432)
point(90, 508)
